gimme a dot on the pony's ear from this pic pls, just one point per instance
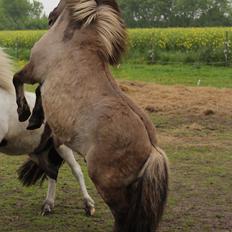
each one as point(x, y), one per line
point(56, 13)
point(111, 3)
point(52, 17)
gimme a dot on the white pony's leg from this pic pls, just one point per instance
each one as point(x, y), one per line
point(67, 154)
point(50, 199)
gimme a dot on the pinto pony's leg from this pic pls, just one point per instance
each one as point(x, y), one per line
point(37, 117)
point(68, 156)
point(48, 204)
point(21, 77)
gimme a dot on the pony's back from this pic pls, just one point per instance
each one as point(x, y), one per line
point(6, 74)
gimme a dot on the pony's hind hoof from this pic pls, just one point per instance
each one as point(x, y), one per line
point(24, 113)
point(89, 207)
point(47, 208)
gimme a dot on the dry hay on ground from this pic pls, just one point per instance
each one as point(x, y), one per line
point(182, 100)
point(185, 116)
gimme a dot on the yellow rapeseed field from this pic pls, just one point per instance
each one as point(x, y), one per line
point(162, 38)
point(184, 45)
point(21, 39)
point(178, 38)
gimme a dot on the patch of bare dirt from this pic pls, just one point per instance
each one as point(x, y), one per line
point(194, 101)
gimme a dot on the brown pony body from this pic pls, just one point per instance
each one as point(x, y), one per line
point(87, 111)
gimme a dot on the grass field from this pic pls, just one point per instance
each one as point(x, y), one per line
point(198, 145)
point(191, 106)
point(199, 199)
point(177, 74)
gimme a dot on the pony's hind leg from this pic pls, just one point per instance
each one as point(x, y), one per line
point(21, 77)
point(49, 202)
point(110, 186)
point(37, 117)
point(68, 156)
point(136, 194)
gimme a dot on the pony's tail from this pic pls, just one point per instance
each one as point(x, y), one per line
point(149, 194)
point(30, 173)
point(47, 164)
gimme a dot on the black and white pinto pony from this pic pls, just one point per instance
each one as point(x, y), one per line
point(15, 139)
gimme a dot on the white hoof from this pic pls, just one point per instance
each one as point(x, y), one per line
point(89, 206)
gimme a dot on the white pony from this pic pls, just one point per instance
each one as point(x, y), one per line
point(15, 139)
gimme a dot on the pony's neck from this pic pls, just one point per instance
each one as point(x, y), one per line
point(6, 85)
point(6, 74)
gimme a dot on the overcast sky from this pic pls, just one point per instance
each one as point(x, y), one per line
point(49, 5)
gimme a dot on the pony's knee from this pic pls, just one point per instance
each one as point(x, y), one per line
point(66, 153)
point(24, 76)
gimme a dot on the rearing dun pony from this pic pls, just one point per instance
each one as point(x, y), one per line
point(88, 112)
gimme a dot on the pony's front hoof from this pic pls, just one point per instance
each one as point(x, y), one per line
point(89, 207)
point(47, 208)
point(34, 124)
point(24, 113)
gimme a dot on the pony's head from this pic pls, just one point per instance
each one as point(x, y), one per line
point(94, 24)
point(105, 17)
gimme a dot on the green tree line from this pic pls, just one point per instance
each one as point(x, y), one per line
point(26, 14)
point(176, 13)
point(22, 14)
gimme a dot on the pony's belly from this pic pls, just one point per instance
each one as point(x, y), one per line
point(11, 151)
point(18, 148)
point(20, 140)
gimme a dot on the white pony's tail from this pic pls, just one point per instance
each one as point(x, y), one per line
point(6, 74)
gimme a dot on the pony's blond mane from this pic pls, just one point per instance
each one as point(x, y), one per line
point(105, 15)
point(6, 74)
